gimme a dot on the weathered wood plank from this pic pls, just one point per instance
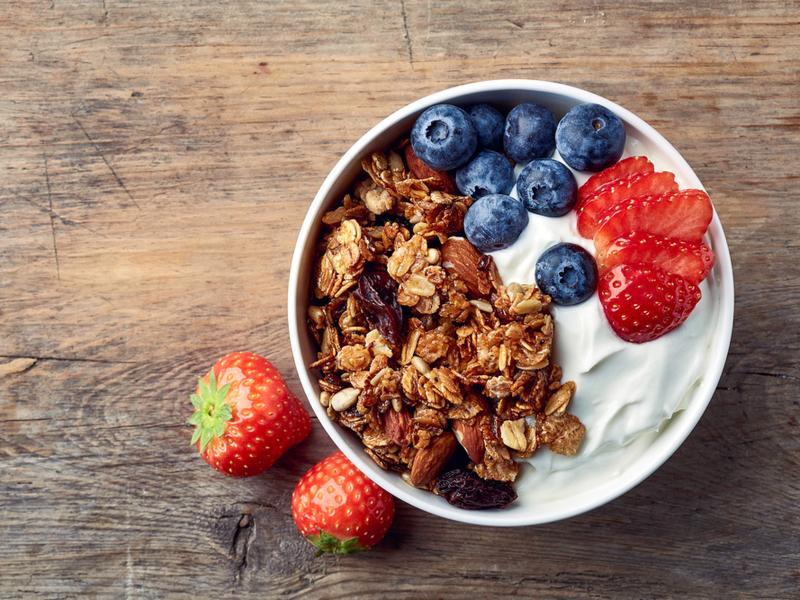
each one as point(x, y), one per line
point(156, 161)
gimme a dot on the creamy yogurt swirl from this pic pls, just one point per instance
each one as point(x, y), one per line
point(625, 392)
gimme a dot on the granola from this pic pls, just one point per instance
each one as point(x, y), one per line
point(420, 342)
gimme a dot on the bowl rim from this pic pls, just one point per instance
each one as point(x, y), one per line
point(666, 443)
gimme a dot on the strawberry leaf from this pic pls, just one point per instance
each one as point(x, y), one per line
point(325, 542)
point(212, 410)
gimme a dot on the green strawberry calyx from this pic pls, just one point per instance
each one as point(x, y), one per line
point(325, 542)
point(212, 411)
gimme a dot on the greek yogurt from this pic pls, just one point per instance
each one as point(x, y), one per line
point(626, 393)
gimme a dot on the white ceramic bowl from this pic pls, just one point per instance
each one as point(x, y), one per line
point(504, 94)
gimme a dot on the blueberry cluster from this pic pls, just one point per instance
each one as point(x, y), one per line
point(482, 147)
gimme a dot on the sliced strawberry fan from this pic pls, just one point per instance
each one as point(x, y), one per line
point(624, 168)
point(691, 260)
point(616, 192)
point(649, 249)
point(684, 215)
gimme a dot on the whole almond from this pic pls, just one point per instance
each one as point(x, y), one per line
point(430, 461)
point(463, 259)
point(446, 182)
point(468, 433)
point(397, 425)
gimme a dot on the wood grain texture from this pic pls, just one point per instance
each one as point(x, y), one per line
point(156, 162)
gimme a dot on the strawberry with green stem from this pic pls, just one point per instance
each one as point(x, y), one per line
point(245, 416)
point(338, 509)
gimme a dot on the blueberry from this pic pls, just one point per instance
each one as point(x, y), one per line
point(567, 273)
point(590, 138)
point(489, 124)
point(546, 187)
point(444, 137)
point(494, 222)
point(529, 133)
point(487, 173)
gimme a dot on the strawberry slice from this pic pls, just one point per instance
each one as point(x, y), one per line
point(691, 260)
point(643, 302)
point(685, 215)
point(638, 184)
point(624, 168)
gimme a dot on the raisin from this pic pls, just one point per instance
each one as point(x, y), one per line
point(377, 295)
point(464, 489)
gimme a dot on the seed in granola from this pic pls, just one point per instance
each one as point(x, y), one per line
point(464, 489)
point(481, 305)
point(379, 375)
point(514, 288)
point(316, 314)
point(420, 365)
point(396, 162)
point(325, 398)
point(344, 399)
point(531, 305)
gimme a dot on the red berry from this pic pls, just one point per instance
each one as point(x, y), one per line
point(638, 184)
point(245, 416)
point(339, 509)
point(684, 215)
point(643, 302)
point(624, 168)
point(691, 260)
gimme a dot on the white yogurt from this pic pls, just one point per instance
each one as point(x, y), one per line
point(625, 392)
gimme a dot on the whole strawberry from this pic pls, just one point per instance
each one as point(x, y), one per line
point(245, 416)
point(338, 509)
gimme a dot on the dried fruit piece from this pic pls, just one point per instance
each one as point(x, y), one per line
point(377, 295)
point(464, 489)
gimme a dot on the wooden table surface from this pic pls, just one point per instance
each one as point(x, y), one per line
point(156, 162)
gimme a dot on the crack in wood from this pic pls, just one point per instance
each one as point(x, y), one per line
point(53, 214)
point(79, 360)
point(407, 35)
point(239, 550)
point(777, 375)
point(110, 168)
point(52, 217)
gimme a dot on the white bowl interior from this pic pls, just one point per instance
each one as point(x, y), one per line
point(505, 94)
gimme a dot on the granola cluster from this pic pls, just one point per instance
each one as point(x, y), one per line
point(421, 345)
